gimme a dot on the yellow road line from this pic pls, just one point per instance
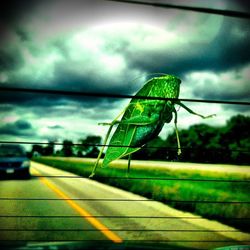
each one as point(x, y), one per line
point(85, 214)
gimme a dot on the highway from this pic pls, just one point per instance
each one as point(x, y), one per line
point(49, 208)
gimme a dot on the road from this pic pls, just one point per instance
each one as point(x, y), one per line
point(51, 208)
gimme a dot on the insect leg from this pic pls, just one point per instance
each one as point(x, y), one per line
point(129, 161)
point(176, 131)
point(194, 113)
point(104, 143)
point(101, 151)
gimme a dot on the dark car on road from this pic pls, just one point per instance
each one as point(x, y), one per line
point(14, 161)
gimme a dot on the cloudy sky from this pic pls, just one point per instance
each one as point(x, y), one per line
point(110, 47)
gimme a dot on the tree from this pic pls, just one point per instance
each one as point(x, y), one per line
point(37, 150)
point(88, 146)
point(237, 136)
point(227, 144)
point(67, 149)
point(155, 150)
point(49, 149)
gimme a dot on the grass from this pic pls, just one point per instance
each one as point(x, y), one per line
point(179, 185)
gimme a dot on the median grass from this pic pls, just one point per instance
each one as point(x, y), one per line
point(219, 195)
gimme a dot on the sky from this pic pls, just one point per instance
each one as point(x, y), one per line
point(109, 47)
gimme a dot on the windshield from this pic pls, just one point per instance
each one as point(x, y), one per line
point(11, 151)
point(121, 151)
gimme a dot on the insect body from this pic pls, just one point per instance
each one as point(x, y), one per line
point(143, 119)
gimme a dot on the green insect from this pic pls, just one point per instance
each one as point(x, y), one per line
point(143, 119)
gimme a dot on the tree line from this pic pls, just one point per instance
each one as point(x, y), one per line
point(200, 143)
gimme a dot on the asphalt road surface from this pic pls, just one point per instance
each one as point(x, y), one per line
point(51, 208)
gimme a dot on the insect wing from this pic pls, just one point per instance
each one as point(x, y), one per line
point(120, 143)
point(123, 138)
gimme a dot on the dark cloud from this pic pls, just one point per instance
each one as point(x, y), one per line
point(68, 78)
point(23, 35)
point(232, 45)
point(44, 103)
point(97, 110)
point(213, 94)
point(23, 125)
point(229, 49)
point(18, 128)
point(53, 106)
point(28, 99)
point(10, 59)
point(238, 108)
